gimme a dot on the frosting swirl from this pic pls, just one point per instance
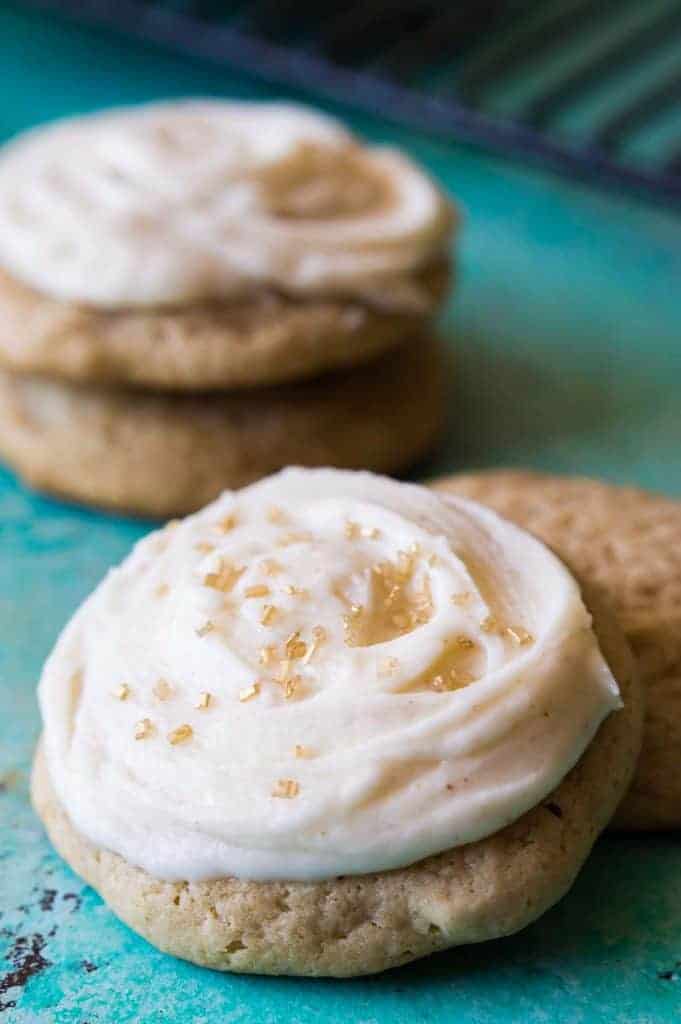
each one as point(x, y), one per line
point(178, 202)
point(325, 673)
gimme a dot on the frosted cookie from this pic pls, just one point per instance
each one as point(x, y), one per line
point(162, 455)
point(210, 244)
point(627, 543)
point(332, 723)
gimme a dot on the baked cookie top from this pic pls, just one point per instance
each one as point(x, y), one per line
point(325, 673)
point(199, 200)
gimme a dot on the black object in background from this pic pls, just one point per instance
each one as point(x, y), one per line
point(589, 87)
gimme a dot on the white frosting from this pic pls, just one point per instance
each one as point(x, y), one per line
point(395, 767)
point(195, 200)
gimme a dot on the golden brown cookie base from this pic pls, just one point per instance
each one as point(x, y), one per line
point(265, 339)
point(627, 542)
point(163, 455)
point(367, 923)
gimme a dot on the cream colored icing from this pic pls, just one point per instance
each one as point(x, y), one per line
point(203, 199)
point(389, 740)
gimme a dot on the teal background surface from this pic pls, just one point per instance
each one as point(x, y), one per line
point(564, 333)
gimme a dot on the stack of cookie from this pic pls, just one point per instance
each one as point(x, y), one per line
point(195, 294)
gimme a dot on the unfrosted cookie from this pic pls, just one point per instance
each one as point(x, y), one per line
point(627, 543)
point(163, 455)
point(208, 244)
point(405, 748)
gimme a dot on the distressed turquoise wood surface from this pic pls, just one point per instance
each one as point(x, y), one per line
point(564, 333)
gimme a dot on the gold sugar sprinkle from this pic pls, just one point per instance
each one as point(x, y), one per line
point(287, 539)
point(224, 579)
point(284, 670)
point(266, 653)
point(162, 689)
point(392, 595)
point(143, 729)
point(204, 547)
point(275, 514)
point(270, 566)
point(465, 643)
point(349, 620)
point(310, 651)
point(162, 589)
point(296, 591)
point(249, 692)
point(286, 789)
point(519, 635)
point(268, 614)
point(460, 677)
point(489, 625)
point(461, 599)
point(204, 701)
point(301, 751)
point(401, 621)
point(424, 606)
point(388, 666)
point(405, 564)
point(257, 590)
point(206, 628)
point(318, 637)
point(226, 524)
point(353, 531)
point(181, 734)
point(290, 686)
point(453, 681)
point(122, 692)
point(294, 646)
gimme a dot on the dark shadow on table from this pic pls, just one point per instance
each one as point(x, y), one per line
point(627, 898)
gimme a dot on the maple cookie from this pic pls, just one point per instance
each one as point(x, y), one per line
point(332, 723)
point(209, 244)
point(627, 543)
point(168, 454)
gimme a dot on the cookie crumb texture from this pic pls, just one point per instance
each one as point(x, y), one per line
point(162, 455)
point(367, 923)
point(264, 339)
point(627, 542)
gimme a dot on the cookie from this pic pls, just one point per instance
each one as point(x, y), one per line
point(265, 339)
point(205, 829)
point(208, 244)
point(163, 455)
point(365, 924)
point(627, 543)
